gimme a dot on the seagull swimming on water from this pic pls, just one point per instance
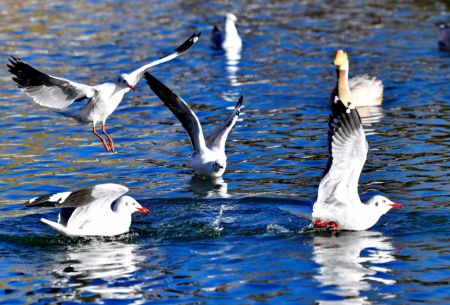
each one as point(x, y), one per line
point(338, 205)
point(101, 210)
point(102, 100)
point(208, 158)
point(229, 39)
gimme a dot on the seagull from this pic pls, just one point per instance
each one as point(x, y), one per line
point(359, 91)
point(444, 37)
point(101, 210)
point(102, 100)
point(208, 158)
point(338, 205)
point(230, 39)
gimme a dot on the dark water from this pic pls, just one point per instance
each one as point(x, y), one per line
point(228, 244)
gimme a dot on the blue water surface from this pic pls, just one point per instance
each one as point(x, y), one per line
point(229, 243)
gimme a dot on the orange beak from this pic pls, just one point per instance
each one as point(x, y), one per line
point(131, 87)
point(143, 211)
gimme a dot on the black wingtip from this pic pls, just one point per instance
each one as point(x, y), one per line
point(239, 102)
point(188, 43)
point(161, 90)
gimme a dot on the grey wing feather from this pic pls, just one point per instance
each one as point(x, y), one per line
point(47, 90)
point(180, 109)
point(79, 198)
point(219, 137)
point(348, 152)
point(137, 74)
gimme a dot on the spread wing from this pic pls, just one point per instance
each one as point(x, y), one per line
point(219, 137)
point(137, 74)
point(108, 192)
point(348, 153)
point(180, 109)
point(47, 90)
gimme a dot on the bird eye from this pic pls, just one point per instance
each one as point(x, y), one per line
point(384, 201)
point(376, 203)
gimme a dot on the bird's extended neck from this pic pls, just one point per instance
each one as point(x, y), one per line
point(342, 85)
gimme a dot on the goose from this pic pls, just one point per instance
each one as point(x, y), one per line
point(359, 91)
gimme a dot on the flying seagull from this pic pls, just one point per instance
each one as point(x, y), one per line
point(338, 205)
point(208, 158)
point(101, 210)
point(229, 39)
point(102, 100)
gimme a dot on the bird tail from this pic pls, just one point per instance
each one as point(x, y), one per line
point(55, 226)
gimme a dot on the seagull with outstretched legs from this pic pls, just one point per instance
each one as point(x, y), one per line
point(208, 158)
point(338, 205)
point(229, 39)
point(101, 210)
point(102, 100)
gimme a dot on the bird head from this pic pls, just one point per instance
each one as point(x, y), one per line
point(125, 81)
point(382, 204)
point(341, 60)
point(127, 203)
point(231, 17)
point(218, 168)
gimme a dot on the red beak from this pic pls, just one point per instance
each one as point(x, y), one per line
point(397, 206)
point(131, 87)
point(144, 211)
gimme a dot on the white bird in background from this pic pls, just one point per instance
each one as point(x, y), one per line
point(338, 204)
point(101, 210)
point(359, 91)
point(208, 158)
point(229, 39)
point(103, 99)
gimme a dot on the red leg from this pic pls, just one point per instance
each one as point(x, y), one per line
point(111, 143)
point(327, 224)
point(100, 137)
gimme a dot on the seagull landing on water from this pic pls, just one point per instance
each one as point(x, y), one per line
point(101, 210)
point(208, 158)
point(229, 39)
point(338, 205)
point(102, 100)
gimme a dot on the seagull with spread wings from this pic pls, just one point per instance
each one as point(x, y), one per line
point(102, 100)
point(208, 158)
point(338, 205)
point(101, 210)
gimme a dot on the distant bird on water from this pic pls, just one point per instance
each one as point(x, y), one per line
point(208, 158)
point(359, 91)
point(101, 210)
point(444, 37)
point(102, 100)
point(229, 39)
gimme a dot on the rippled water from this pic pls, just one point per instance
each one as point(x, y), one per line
point(229, 243)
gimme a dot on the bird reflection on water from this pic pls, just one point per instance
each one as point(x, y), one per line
point(349, 261)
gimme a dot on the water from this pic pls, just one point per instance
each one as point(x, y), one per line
point(227, 244)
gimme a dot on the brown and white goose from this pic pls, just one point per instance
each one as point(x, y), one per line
point(359, 91)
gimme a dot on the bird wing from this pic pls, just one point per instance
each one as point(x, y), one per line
point(219, 137)
point(366, 90)
point(181, 110)
point(137, 74)
point(348, 152)
point(47, 90)
point(108, 192)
